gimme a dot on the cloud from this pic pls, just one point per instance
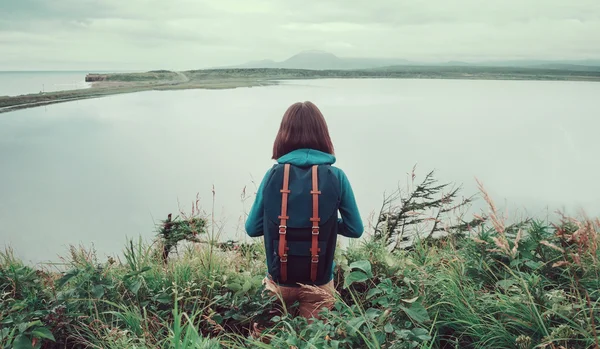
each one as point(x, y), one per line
point(181, 34)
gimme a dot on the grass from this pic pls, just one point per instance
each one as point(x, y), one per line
point(496, 285)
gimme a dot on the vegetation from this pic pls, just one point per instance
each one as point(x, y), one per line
point(490, 284)
point(157, 75)
point(249, 77)
point(407, 72)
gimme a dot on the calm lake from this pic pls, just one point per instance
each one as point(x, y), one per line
point(99, 171)
point(14, 83)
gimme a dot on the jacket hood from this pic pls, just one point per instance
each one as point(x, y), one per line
point(307, 157)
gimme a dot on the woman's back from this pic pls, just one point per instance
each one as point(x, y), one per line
point(297, 205)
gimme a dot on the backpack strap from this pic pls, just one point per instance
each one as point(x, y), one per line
point(285, 191)
point(314, 249)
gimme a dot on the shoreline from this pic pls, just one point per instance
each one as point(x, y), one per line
point(121, 83)
point(98, 90)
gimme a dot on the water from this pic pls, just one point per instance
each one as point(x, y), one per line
point(98, 171)
point(14, 83)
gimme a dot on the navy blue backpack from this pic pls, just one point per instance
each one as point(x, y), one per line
point(300, 223)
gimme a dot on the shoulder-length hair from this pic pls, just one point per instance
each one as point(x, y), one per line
point(303, 126)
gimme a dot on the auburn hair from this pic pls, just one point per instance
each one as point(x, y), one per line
point(303, 126)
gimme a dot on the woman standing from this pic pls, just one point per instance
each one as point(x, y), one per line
point(296, 210)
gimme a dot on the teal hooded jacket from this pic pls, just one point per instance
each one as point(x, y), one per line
point(349, 224)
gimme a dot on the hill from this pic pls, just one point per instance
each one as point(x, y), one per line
point(322, 60)
point(489, 282)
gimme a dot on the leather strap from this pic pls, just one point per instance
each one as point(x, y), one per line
point(314, 249)
point(283, 249)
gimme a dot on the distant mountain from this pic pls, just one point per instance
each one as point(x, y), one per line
point(318, 60)
point(322, 60)
point(457, 63)
point(546, 63)
point(265, 63)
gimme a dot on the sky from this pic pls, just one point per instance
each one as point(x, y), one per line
point(191, 34)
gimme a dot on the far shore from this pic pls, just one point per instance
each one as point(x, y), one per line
point(119, 83)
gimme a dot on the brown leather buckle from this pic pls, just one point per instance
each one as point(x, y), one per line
point(282, 229)
point(315, 230)
point(284, 258)
point(314, 259)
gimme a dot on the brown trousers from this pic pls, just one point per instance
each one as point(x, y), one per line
point(312, 299)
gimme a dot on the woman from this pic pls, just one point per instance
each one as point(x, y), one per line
point(296, 210)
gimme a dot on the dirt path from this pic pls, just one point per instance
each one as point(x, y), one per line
point(184, 78)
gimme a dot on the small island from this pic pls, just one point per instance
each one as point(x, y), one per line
point(118, 83)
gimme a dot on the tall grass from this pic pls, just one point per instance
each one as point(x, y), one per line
point(528, 285)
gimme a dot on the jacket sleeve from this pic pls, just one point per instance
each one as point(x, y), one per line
point(350, 224)
point(254, 222)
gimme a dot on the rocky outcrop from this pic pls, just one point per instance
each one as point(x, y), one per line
point(95, 77)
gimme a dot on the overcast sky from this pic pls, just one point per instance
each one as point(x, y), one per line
point(186, 34)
